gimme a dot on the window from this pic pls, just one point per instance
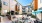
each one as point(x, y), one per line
point(23, 9)
point(29, 7)
point(5, 11)
point(5, 3)
point(29, 10)
point(12, 0)
point(12, 6)
point(15, 7)
point(40, 1)
point(40, 8)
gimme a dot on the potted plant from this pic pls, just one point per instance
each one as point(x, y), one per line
point(12, 12)
point(20, 22)
point(33, 16)
point(8, 13)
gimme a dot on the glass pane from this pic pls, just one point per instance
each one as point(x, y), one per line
point(5, 3)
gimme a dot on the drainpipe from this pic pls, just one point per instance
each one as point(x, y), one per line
point(9, 5)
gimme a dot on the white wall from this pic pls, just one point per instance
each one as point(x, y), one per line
point(5, 7)
point(20, 11)
point(12, 5)
point(26, 9)
point(39, 16)
point(39, 4)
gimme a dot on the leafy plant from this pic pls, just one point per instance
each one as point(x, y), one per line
point(8, 13)
point(0, 8)
point(33, 16)
point(20, 22)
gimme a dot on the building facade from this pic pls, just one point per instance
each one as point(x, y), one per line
point(27, 9)
point(38, 6)
point(39, 16)
point(5, 7)
point(10, 5)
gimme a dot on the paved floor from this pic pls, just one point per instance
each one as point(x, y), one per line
point(17, 18)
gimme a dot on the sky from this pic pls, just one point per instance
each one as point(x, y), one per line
point(24, 2)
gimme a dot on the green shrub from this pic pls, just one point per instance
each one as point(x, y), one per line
point(33, 16)
point(0, 8)
point(20, 22)
point(8, 13)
